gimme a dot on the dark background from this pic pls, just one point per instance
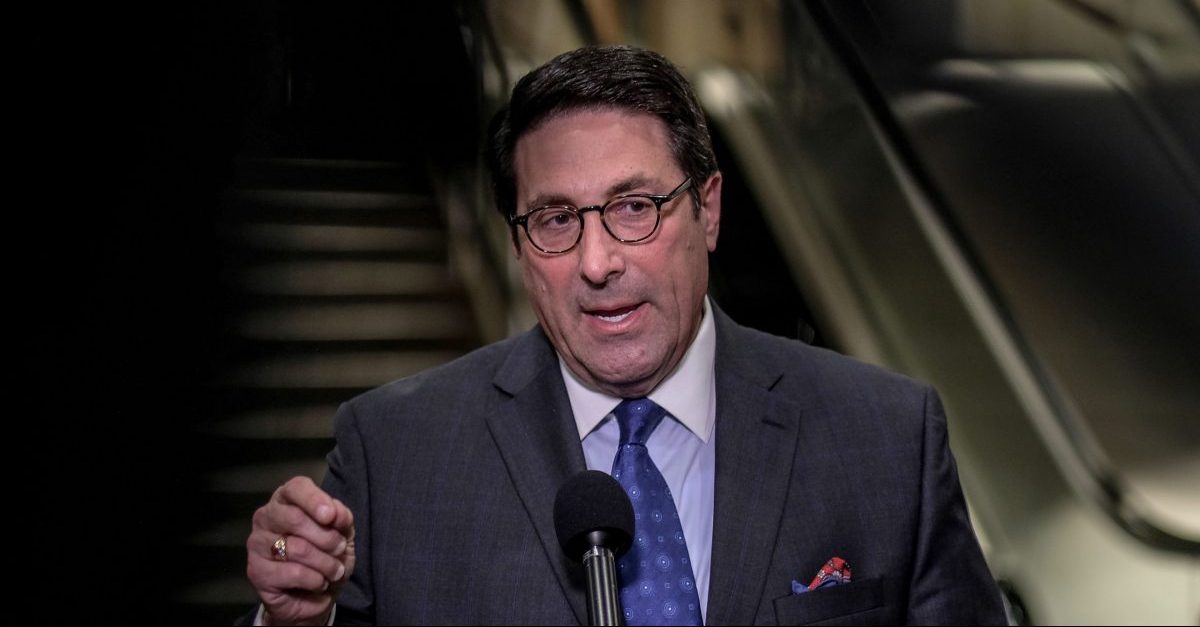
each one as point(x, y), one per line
point(140, 114)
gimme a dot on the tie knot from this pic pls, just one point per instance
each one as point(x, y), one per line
point(638, 417)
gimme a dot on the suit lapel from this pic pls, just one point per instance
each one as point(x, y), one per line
point(756, 443)
point(534, 429)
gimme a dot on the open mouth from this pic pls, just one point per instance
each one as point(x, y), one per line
point(613, 315)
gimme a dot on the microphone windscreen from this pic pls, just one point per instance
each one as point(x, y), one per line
point(592, 501)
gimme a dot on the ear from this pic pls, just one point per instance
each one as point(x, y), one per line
point(514, 239)
point(710, 209)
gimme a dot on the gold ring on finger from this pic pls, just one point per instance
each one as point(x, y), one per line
point(279, 549)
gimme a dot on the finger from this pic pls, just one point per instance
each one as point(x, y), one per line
point(344, 519)
point(278, 520)
point(297, 608)
point(272, 577)
point(299, 551)
point(349, 532)
point(347, 560)
point(303, 493)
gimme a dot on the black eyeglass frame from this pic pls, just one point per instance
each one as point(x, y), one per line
point(657, 199)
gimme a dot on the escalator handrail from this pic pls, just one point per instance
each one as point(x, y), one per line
point(1088, 470)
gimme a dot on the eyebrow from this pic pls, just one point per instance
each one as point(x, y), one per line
point(621, 187)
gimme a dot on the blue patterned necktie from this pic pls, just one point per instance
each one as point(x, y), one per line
point(657, 585)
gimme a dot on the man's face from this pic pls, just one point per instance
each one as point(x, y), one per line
point(621, 315)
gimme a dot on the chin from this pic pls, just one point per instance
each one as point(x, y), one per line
point(621, 375)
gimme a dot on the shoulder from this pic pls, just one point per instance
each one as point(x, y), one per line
point(440, 392)
point(835, 394)
point(840, 404)
point(793, 365)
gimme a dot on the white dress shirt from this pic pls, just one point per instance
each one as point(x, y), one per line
point(682, 446)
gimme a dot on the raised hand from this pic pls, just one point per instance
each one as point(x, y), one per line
point(299, 554)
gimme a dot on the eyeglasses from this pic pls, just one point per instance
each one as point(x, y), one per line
point(628, 218)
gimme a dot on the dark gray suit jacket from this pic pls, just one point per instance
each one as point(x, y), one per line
point(451, 475)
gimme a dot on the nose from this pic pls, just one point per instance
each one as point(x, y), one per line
point(600, 254)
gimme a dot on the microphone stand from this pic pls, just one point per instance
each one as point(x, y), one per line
point(604, 603)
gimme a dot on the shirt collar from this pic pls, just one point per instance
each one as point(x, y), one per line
point(687, 394)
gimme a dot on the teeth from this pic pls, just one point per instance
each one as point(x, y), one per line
point(614, 318)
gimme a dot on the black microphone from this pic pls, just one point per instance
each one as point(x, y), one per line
point(594, 522)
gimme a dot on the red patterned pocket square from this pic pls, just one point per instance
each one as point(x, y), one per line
point(836, 571)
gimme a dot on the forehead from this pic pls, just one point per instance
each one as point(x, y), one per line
point(581, 151)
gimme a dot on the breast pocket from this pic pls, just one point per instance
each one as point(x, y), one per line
point(854, 603)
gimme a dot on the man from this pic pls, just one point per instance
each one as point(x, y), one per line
point(753, 462)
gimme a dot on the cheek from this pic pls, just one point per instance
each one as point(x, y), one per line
point(540, 281)
point(691, 261)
